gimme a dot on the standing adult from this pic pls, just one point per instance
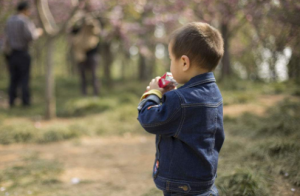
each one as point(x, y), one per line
point(19, 32)
point(84, 38)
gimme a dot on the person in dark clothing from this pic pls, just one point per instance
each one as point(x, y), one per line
point(19, 33)
point(19, 69)
point(90, 65)
point(84, 40)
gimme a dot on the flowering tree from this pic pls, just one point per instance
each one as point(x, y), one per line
point(247, 28)
point(288, 14)
point(52, 31)
point(229, 16)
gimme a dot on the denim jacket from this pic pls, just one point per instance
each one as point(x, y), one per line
point(188, 123)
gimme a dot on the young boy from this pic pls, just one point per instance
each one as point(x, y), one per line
point(188, 121)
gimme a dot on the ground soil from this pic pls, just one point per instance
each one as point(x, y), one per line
point(114, 165)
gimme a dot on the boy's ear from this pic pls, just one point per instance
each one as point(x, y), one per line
point(185, 62)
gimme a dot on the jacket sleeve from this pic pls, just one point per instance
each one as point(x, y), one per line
point(161, 118)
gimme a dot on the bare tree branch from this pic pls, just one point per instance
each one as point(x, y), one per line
point(48, 14)
point(237, 27)
point(74, 11)
point(45, 17)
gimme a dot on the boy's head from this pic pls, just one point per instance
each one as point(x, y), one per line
point(194, 47)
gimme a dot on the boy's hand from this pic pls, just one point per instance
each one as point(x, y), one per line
point(154, 85)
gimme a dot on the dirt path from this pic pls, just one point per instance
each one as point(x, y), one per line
point(259, 107)
point(112, 166)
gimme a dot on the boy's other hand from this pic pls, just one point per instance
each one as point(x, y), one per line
point(154, 85)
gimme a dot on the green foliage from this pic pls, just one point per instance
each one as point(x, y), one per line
point(128, 98)
point(234, 84)
point(286, 87)
point(153, 192)
point(113, 112)
point(243, 182)
point(283, 120)
point(275, 88)
point(237, 98)
point(282, 148)
point(285, 156)
point(237, 91)
point(31, 170)
point(17, 134)
point(296, 92)
point(80, 107)
point(257, 144)
point(26, 133)
point(273, 140)
point(58, 133)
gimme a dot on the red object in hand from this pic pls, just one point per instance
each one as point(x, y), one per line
point(167, 80)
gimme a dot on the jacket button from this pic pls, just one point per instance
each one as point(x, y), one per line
point(185, 188)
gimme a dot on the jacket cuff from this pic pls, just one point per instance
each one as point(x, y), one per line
point(153, 91)
point(151, 97)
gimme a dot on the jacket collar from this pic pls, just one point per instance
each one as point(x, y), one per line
point(200, 79)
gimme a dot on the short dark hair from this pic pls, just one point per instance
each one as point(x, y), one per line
point(23, 5)
point(202, 43)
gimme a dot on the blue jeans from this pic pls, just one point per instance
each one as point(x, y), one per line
point(212, 192)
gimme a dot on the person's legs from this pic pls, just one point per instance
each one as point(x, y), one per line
point(93, 63)
point(7, 57)
point(25, 78)
point(82, 77)
point(215, 191)
point(13, 79)
point(13, 85)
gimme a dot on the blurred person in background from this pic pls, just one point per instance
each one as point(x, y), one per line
point(84, 40)
point(19, 33)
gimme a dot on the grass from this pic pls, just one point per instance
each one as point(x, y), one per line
point(32, 170)
point(266, 149)
point(153, 192)
point(113, 112)
point(243, 183)
point(259, 153)
point(28, 132)
point(237, 91)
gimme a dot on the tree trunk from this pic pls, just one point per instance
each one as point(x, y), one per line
point(124, 64)
point(152, 63)
point(272, 67)
point(50, 86)
point(142, 68)
point(152, 68)
point(123, 67)
point(51, 30)
point(107, 60)
point(71, 62)
point(226, 66)
point(38, 58)
point(294, 67)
